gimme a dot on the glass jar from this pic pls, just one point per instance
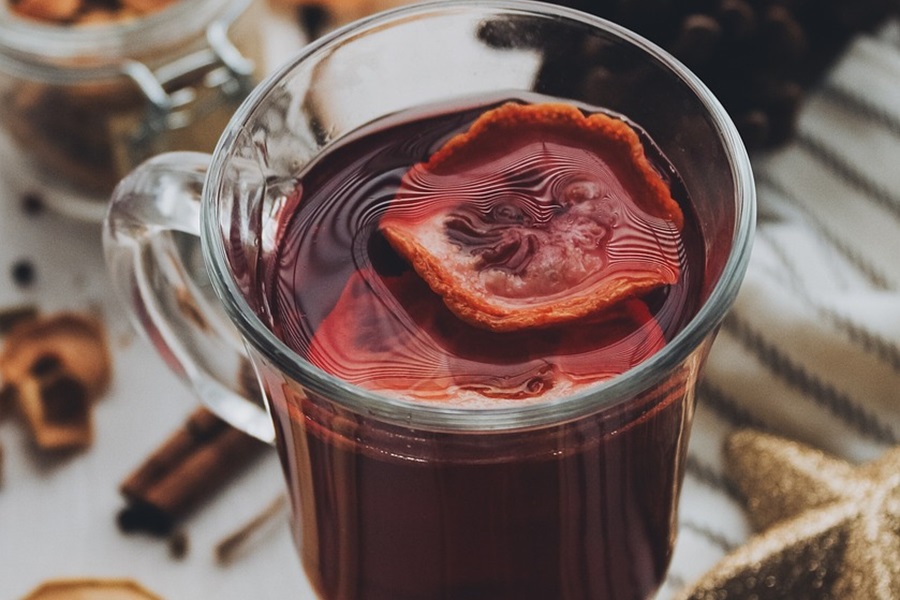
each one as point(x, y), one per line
point(81, 105)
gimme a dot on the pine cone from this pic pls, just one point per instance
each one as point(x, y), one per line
point(759, 57)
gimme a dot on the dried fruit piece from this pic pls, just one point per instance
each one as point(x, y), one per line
point(104, 16)
point(91, 589)
point(14, 315)
point(73, 343)
point(538, 215)
point(337, 12)
point(86, 12)
point(48, 10)
point(146, 6)
point(404, 341)
point(58, 414)
point(54, 367)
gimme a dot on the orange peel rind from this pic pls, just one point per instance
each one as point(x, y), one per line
point(536, 216)
point(614, 136)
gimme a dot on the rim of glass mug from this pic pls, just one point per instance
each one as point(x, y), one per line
point(40, 50)
point(458, 418)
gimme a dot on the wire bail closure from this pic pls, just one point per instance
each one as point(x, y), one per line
point(177, 93)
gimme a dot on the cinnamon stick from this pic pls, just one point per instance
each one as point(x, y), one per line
point(232, 545)
point(190, 467)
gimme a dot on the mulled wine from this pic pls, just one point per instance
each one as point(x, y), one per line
point(427, 260)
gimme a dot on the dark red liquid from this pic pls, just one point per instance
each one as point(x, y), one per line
point(579, 510)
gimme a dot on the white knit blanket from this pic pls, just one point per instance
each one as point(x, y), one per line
point(811, 349)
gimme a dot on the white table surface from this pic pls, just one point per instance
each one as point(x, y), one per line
point(58, 515)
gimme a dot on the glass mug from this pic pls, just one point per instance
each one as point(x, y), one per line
point(397, 499)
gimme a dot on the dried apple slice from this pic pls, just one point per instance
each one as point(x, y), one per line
point(537, 215)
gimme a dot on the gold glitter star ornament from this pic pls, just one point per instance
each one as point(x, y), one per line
point(831, 529)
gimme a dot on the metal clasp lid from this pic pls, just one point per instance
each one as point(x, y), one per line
point(178, 93)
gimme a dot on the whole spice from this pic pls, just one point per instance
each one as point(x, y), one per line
point(179, 544)
point(32, 204)
point(23, 272)
point(233, 544)
point(191, 466)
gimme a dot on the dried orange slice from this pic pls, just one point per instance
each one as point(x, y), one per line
point(91, 589)
point(537, 215)
point(72, 342)
point(393, 335)
point(54, 367)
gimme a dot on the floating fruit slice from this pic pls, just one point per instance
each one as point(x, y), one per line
point(538, 215)
point(91, 589)
point(392, 334)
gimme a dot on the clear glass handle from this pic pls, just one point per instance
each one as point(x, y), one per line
point(151, 239)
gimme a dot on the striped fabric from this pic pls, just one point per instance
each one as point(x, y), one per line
point(811, 350)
